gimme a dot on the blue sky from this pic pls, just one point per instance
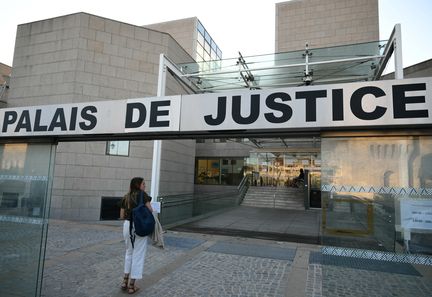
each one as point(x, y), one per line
point(241, 25)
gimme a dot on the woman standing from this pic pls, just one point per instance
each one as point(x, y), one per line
point(135, 253)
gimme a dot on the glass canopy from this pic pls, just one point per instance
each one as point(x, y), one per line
point(347, 63)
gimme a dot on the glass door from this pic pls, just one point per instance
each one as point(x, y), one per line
point(281, 168)
point(26, 172)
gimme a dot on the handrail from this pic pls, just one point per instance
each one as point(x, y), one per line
point(178, 208)
point(243, 181)
point(243, 187)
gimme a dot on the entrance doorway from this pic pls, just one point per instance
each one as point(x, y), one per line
point(282, 168)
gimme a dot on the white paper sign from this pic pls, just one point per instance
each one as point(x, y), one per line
point(155, 206)
point(416, 214)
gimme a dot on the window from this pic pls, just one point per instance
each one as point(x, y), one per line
point(200, 28)
point(117, 148)
point(200, 38)
point(212, 171)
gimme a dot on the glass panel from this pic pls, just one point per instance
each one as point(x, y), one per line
point(25, 186)
point(282, 169)
point(207, 171)
point(178, 208)
point(207, 37)
point(232, 171)
point(200, 28)
point(118, 148)
point(219, 53)
point(201, 39)
point(377, 193)
point(271, 70)
point(213, 45)
point(207, 48)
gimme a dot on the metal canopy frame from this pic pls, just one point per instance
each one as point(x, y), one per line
point(339, 64)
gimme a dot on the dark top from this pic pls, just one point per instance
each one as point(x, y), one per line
point(301, 175)
point(130, 201)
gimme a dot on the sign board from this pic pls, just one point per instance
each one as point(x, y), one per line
point(416, 214)
point(364, 104)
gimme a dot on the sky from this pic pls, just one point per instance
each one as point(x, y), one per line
point(236, 25)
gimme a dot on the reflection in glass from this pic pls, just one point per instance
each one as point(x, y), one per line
point(25, 177)
point(390, 177)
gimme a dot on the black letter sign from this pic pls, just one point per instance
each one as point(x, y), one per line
point(356, 103)
point(254, 113)
point(400, 101)
point(129, 114)
point(220, 113)
point(311, 97)
point(89, 117)
point(285, 109)
point(9, 118)
point(155, 112)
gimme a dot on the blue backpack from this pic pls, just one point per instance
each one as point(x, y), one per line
point(142, 220)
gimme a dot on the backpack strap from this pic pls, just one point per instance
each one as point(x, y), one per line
point(131, 233)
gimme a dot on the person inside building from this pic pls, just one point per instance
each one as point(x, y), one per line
point(136, 250)
point(299, 180)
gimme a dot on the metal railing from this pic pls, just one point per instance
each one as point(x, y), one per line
point(180, 209)
point(243, 187)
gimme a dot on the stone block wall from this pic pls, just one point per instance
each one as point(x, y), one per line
point(324, 23)
point(84, 58)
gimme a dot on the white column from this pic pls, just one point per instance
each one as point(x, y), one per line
point(398, 52)
point(157, 144)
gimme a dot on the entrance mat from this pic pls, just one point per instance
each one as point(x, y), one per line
point(182, 242)
point(361, 263)
point(253, 250)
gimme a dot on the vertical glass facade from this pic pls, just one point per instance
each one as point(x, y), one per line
point(280, 169)
point(25, 186)
point(377, 193)
point(208, 54)
point(219, 171)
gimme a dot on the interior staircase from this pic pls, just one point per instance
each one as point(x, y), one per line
point(275, 197)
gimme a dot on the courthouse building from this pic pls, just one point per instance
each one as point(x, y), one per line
point(372, 170)
point(319, 103)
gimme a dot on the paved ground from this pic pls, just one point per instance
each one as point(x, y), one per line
point(87, 259)
point(266, 223)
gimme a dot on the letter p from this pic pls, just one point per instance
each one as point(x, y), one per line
point(10, 117)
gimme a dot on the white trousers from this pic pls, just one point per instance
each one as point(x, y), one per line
point(134, 257)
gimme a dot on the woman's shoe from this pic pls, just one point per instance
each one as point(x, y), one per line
point(124, 284)
point(132, 289)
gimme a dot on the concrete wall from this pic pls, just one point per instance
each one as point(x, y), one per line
point(222, 149)
point(184, 31)
point(423, 69)
point(178, 156)
point(82, 58)
point(322, 23)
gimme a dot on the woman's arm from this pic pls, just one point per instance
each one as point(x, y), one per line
point(122, 211)
point(149, 206)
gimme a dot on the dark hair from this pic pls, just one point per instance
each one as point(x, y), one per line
point(135, 184)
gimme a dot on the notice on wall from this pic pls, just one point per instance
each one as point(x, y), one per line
point(416, 214)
